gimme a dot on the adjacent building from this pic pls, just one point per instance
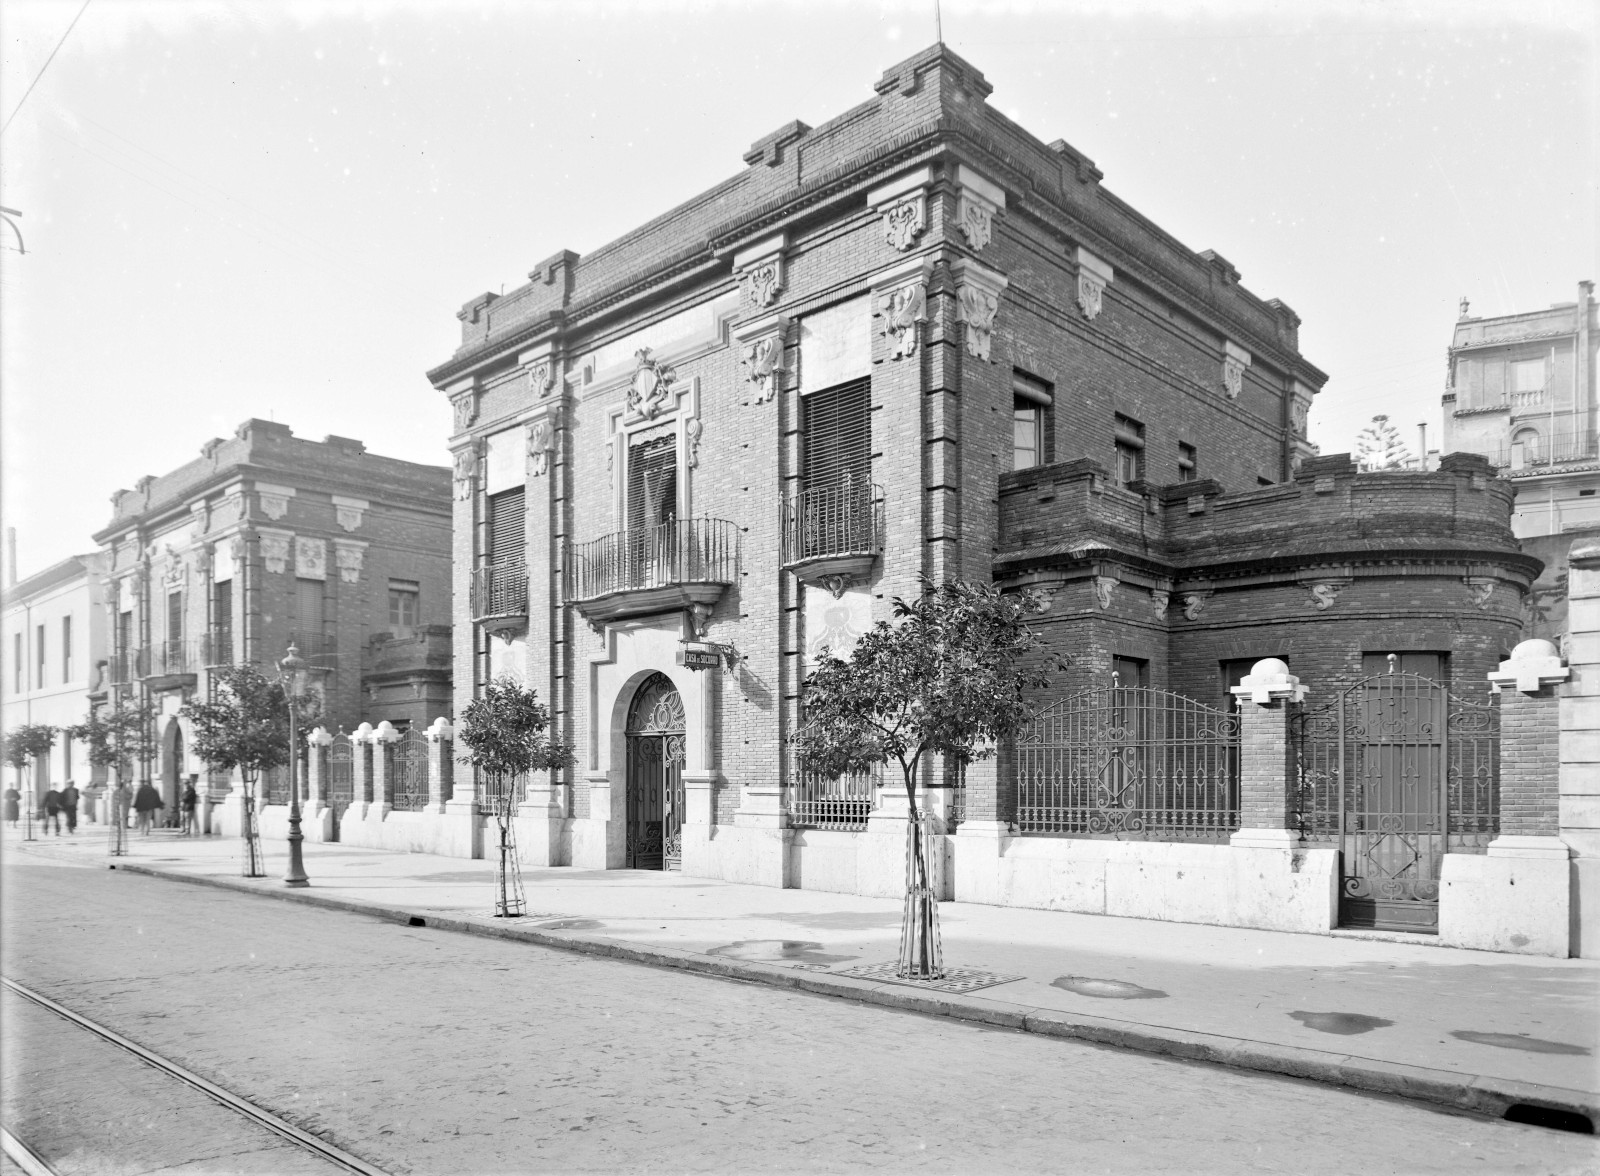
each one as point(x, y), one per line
point(1522, 391)
point(52, 660)
point(267, 540)
point(918, 342)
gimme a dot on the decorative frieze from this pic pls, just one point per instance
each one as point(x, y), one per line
point(310, 558)
point(977, 303)
point(1094, 275)
point(274, 547)
point(274, 500)
point(1234, 360)
point(349, 556)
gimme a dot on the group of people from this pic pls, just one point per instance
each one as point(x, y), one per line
point(59, 803)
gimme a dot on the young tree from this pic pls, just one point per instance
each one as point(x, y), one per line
point(117, 737)
point(953, 676)
point(1379, 446)
point(22, 746)
point(506, 731)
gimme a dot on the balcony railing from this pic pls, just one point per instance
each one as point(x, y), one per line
point(1547, 447)
point(500, 592)
point(833, 524)
point(217, 649)
point(673, 565)
point(127, 666)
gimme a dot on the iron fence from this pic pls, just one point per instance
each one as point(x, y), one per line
point(407, 771)
point(1129, 762)
point(844, 804)
point(684, 551)
point(500, 590)
point(843, 519)
point(173, 657)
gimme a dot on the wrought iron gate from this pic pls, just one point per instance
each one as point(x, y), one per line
point(1395, 772)
point(407, 770)
point(339, 775)
point(1129, 762)
point(655, 742)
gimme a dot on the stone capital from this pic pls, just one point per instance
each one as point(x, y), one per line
point(1532, 667)
point(1269, 683)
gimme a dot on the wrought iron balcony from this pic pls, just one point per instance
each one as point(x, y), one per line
point(500, 596)
point(218, 646)
point(127, 666)
point(656, 569)
point(172, 664)
point(833, 533)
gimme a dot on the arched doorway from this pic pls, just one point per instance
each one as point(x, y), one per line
point(655, 735)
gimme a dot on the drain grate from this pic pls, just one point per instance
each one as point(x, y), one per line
point(956, 980)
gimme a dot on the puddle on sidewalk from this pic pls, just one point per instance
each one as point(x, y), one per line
point(1518, 1041)
point(795, 953)
point(1109, 989)
point(1344, 1024)
point(570, 925)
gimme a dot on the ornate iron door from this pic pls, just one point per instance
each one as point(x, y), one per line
point(655, 741)
point(340, 778)
point(1396, 772)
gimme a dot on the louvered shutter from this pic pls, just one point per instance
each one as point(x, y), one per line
point(837, 432)
point(508, 527)
point(652, 483)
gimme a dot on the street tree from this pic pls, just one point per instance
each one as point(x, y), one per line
point(952, 676)
point(506, 731)
point(22, 746)
point(1380, 447)
point(117, 737)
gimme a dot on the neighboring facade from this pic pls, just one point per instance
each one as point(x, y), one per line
point(268, 539)
point(1523, 392)
point(918, 342)
point(52, 659)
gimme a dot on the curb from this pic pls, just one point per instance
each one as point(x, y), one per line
point(1475, 1093)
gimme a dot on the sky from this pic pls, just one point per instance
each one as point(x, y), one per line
point(275, 209)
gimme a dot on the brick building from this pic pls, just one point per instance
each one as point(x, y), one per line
point(1523, 392)
point(267, 539)
point(915, 341)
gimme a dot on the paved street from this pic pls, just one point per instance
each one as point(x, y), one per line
point(426, 1051)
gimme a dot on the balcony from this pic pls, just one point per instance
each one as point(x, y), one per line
point(173, 664)
point(500, 597)
point(831, 534)
point(1539, 446)
point(127, 666)
point(217, 646)
point(657, 569)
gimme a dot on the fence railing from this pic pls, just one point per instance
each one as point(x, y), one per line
point(1129, 763)
point(1545, 448)
point(843, 519)
point(684, 551)
point(173, 657)
point(843, 804)
point(407, 772)
point(500, 590)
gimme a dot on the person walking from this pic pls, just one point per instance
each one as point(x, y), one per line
point(188, 802)
point(69, 805)
point(52, 810)
point(13, 807)
point(145, 803)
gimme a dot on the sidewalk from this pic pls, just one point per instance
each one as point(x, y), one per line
point(1479, 1031)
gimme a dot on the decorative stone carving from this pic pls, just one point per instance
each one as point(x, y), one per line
point(310, 558)
point(275, 553)
point(692, 429)
point(1234, 360)
point(650, 386)
point(763, 362)
point(539, 445)
point(465, 409)
point(977, 302)
point(1158, 603)
point(1194, 603)
point(542, 377)
point(763, 281)
point(976, 221)
point(903, 309)
point(236, 549)
point(274, 504)
point(1037, 598)
point(904, 221)
point(1482, 591)
point(465, 472)
point(1102, 590)
point(1323, 594)
point(1300, 396)
point(699, 619)
point(348, 512)
point(1093, 277)
point(349, 557)
point(1533, 665)
point(836, 584)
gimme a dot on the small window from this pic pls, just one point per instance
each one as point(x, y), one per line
point(1130, 671)
point(1188, 462)
point(1030, 421)
point(403, 597)
point(16, 663)
point(1130, 450)
point(1527, 375)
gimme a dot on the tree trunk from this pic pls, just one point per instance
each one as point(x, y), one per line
point(921, 953)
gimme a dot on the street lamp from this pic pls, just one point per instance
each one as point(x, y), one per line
point(292, 670)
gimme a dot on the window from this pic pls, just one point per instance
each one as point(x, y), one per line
point(1524, 448)
point(1130, 450)
point(652, 484)
point(1131, 671)
point(174, 617)
point(38, 653)
point(1527, 375)
point(1188, 462)
point(308, 616)
point(837, 437)
point(125, 630)
point(16, 663)
point(66, 649)
point(222, 623)
point(1030, 421)
point(403, 596)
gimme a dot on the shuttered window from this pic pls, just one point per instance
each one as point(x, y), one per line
point(308, 615)
point(652, 483)
point(837, 435)
point(175, 616)
point(508, 527)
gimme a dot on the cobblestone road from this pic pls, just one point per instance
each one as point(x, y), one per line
point(431, 1052)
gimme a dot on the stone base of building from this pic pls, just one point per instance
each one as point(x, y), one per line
point(1515, 898)
point(1287, 889)
point(1584, 907)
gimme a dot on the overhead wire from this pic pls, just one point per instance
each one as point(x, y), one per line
point(44, 67)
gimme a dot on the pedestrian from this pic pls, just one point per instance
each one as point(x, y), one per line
point(189, 801)
point(13, 807)
point(145, 803)
point(52, 810)
point(69, 806)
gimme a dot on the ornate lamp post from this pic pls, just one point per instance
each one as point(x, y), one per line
point(293, 676)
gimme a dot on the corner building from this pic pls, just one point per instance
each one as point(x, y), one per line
point(912, 342)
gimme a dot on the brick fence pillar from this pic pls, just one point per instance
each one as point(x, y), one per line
point(317, 820)
point(360, 772)
point(1266, 756)
point(441, 746)
point(383, 738)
